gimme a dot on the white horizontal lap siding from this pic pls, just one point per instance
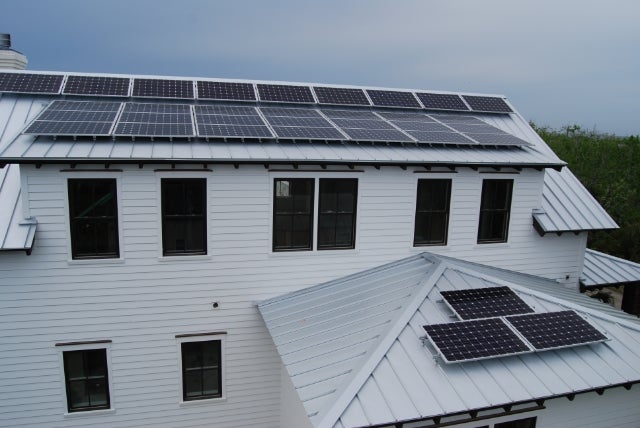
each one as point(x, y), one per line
point(142, 301)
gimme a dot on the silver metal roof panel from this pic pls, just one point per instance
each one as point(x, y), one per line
point(16, 232)
point(603, 269)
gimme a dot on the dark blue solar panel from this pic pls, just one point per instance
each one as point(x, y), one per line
point(155, 120)
point(488, 104)
point(30, 83)
point(457, 118)
point(76, 118)
point(285, 93)
point(226, 91)
point(97, 85)
point(475, 340)
point(308, 133)
point(230, 122)
point(289, 112)
point(162, 88)
point(392, 98)
point(405, 116)
point(442, 101)
point(342, 96)
point(555, 329)
point(485, 302)
point(154, 129)
point(227, 110)
point(70, 128)
point(223, 119)
point(350, 114)
point(312, 122)
point(421, 126)
point(233, 131)
point(440, 137)
point(497, 139)
point(377, 135)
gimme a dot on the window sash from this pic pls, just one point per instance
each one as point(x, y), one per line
point(184, 216)
point(293, 208)
point(93, 218)
point(495, 211)
point(433, 203)
point(337, 213)
point(87, 385)
point(201, 379)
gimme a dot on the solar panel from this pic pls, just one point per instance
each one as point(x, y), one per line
point(487, 104)
point(162, 88)
point(475, 340)
point(353, 114)
point(362, 124)
point(75, 118)
point(97, 85)
point(479, 128)
point(421, 126)
point(405, 116)
point(225, 91)
point(497, 139)
point(289, 112)
point(300, 124)
point(553, 330)
point(457, 118)
point(368, 127)
point(230, 122)
point(392, 98)
point(441, 101)
point(308, 133)
point(345, 96)
point(155, 120)
point(285, 93)
point(441, 138)
point(485, 302)
point(30, 83)
point(377, 135)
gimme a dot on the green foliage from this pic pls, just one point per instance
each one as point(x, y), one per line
point(609, 167)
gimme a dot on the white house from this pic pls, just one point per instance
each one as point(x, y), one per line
point(164, 237)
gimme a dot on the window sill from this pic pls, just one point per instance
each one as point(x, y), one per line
point(202, 402)
point(108, 261)
point(183, 258)
point(88, 413)
point(492, 245)
point(312, 253)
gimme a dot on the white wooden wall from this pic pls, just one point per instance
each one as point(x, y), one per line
point(142, 301)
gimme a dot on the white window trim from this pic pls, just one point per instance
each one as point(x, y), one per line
point(81, 347)
point(208, 206)
point(316, 176)
point(93, 175)
point(202, 337)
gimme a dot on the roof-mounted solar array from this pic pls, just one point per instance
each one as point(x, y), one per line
point(163, 88)
point(392, 98)
point(225, 91)
point(487, 104)
point(442, 101)
point(341, 96)
point(31, 83)
point(155, 120)
point(285, 93)
point(87, 118)
point(486, 302)
point(230, 122)
point(97, 85)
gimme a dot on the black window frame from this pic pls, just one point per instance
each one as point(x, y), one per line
point(335, 216)
point(518, 423)
point(78, 218)
point(198, 346)
point(423, 215)
point(488, 214)
point(300, 217)
point(87, 378)
point(167, 184)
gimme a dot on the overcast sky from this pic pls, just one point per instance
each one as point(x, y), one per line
point(560, 62)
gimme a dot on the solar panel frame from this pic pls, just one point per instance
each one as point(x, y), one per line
point(555, 330)
point(155, 120)
point(103, 86)
point(285, 93)
point(236, 91)
point(474, 340)
point(163, 88)
point(230, 122)
point(487, 104)
point(384, 98)
point(341, 96)
point(473, 303)
point(29, 83)
point(73, 118)
point(433, 101)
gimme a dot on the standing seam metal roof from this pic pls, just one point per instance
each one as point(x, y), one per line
point(16, 233)
point(603, 269)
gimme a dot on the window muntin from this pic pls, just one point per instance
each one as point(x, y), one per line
point(86, 380)
point(184, 216)
point(495, 207)
point(93, 218)
point(293, 214)
point(201, 370)
point(432, 212)
point(337, 213)
point(520, 423)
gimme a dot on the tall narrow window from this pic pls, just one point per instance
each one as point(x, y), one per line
point(201, 370)
point(93, 218)
point(184, 216)
point(337, 213)
point(86, 379)
point(293, 214)
point(495, 208)
point(432, 212)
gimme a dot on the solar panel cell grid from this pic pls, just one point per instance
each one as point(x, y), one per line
point(497, 139)
point(223, 119)
point(442, 101)
point(440, 137)
point(485, 302)
point(289, 112)
point(239, 131)
point(308, 133)
point(97, 85)
point(392, 98)
point(377, 135)
point(154, 129)
point(457, 118)
point(227, 110)
point(350, 114)
point(341, 96)
point(362, 124)
point(155, 120)
point(405, 116)
point(488, 104)
point(30, 83)
point(285, 93)
point(421, 126)
point(226, 91)
point(483, 128)
point(162, 88)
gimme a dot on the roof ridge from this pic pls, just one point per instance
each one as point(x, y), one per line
point(351, 386)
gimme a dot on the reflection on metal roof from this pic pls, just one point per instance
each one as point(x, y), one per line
point(16, 233)
point(353, 348)
point(568, 207)
point(603, 269)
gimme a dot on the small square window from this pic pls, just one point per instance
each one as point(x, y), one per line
point(86, 380)
point(201, 370)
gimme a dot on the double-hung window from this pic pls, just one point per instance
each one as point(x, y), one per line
point(201, 370)
point(184, 216)
point(93, 218)
point(432, 212)
point(86, 380)
point(294, 210)
point(495, 207)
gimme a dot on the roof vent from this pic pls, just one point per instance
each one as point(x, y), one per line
point(8, 57)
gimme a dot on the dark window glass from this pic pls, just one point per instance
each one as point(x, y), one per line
point(201, 370)
point(93, 215)
point(494, 211)
point(432, 212)
point(337, 213)
point(520, 423)
point(184, 216)
point(293, 214)
point(86, 380)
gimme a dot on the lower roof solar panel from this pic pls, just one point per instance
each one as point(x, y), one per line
point(485, 302)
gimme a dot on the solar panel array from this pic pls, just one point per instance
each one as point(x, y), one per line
point(97, 85)
point(31, 83)
point(496, 322)
point(75, 118)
